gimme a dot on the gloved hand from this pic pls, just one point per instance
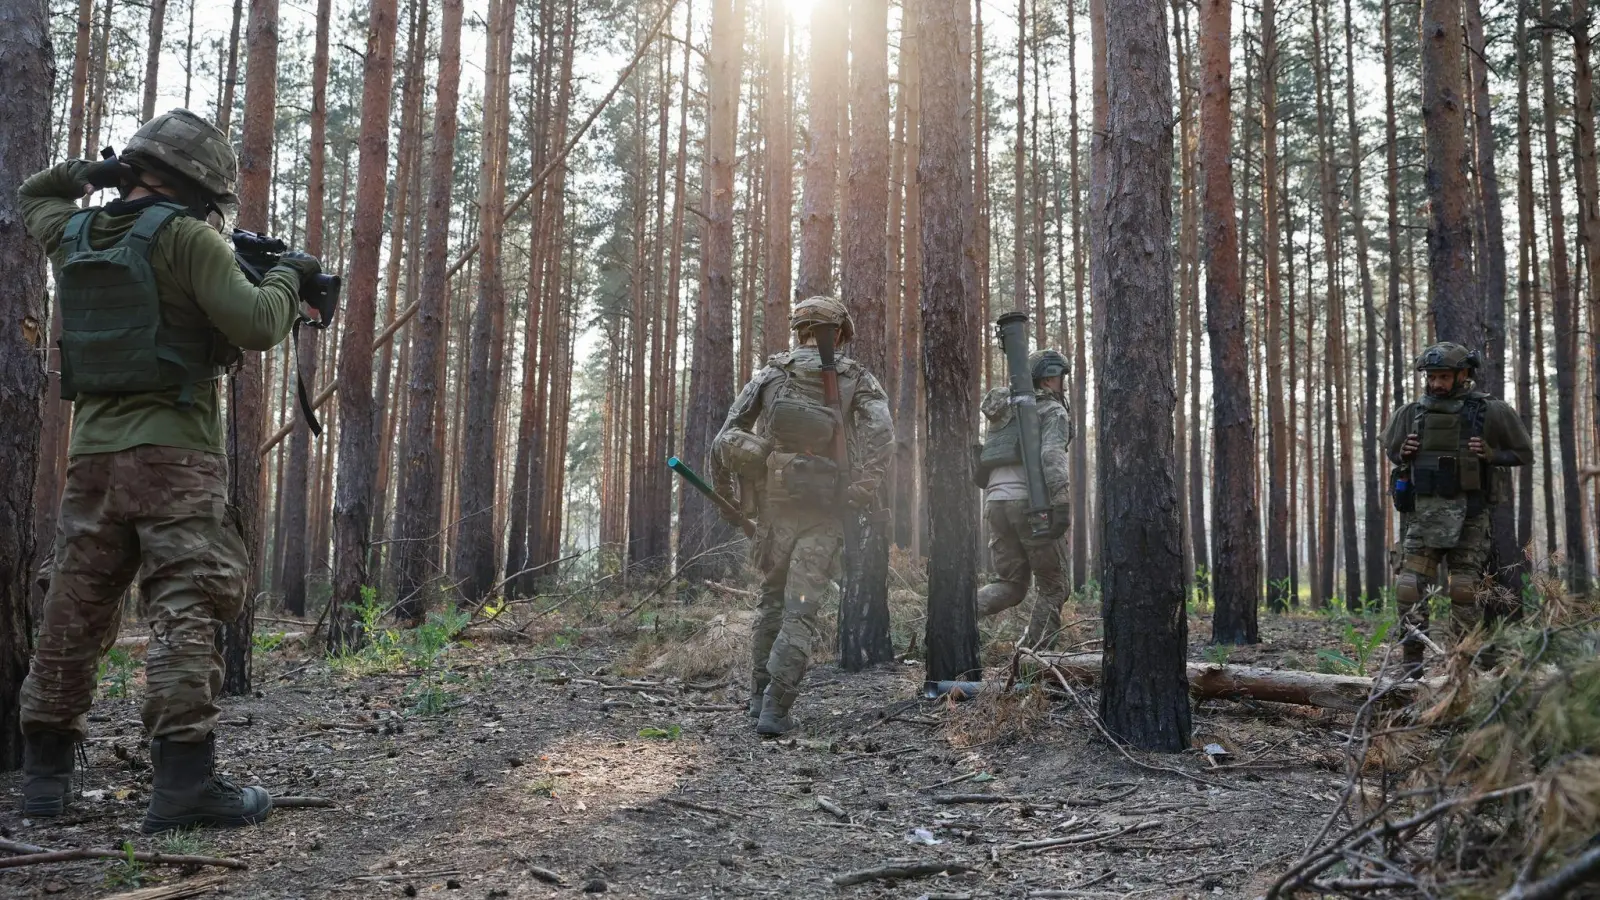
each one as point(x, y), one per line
point(304, 264)
point(105, 173)
point(861, 495)
point(1060, 518)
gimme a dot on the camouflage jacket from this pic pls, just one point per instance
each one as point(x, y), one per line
point(1055, 434)
point(869, 429)
point(1504, 436)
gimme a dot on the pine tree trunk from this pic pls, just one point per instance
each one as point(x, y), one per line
point(27, 68)
point(1236, 576)
point(1526, 253)
point(1145, 697)
point(949, 282)
point(1190, 480)
point(247, 398)
point(1079, 460)
point(820, 179)
point(1589, 217)
point(1564, 330)
point(225, 112)
point(474, 564)
point(1457, 312)
point(102, 61)
point(80, 83)
point(352, 508)
point(864, 605)
point(1279, 598)
point(910, 511)
point(1397, 360)
point(297, 487)
point(152, 58)
point(701, 532)
point(780, 183)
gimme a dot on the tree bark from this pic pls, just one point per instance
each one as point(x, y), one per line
point(1079, 460)
point(820, 179)
point(1279, 598)
point(1589, 219)
point(701, 531)
point(297, 485)
point(352, 508)
point(780, 184)
point(1526, 253)
point(1145, 698)
point(225, 112)
point(1563, 330)
point(152, 58)
point(1236, 575)
point(910, 511)
point(1453, 296)
point(27, 68)
point(949, 282)
point(864, 605)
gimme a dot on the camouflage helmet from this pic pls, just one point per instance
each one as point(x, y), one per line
point(185, 144)
point(1448, 356)
point(825, 310)
point(1044, 364)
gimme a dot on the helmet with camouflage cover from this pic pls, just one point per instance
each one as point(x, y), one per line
point(825, 310)
point(182, 143)
point(1448, 356)
point(1044, 364)
point(741, 452)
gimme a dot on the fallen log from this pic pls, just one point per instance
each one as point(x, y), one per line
point(77, 853)
point(1216, 681)
point(898, 871)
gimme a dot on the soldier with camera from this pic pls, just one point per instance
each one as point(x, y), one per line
point(154, 311)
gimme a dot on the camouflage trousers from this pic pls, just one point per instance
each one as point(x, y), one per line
point(797, 550)
point(1466, 564)
point(159, 514)
point(1019, 558)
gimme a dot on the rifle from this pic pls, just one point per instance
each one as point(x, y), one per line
point(723, 503)
point(826, 335)
point(1012, 329)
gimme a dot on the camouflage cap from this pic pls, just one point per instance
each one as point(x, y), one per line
point(1046, 364)
point(825, 310)
point(188, 145)
point(1448, 356)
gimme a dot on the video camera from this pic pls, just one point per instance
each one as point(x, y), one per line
point(258, 253)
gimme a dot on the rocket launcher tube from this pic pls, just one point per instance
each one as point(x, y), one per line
point(1012, 330)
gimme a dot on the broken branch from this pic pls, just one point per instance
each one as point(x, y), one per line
point(895, 871)
point(144, 856)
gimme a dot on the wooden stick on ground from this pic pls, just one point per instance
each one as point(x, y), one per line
point(832, 808)
point(301, 803)
point(1090, 838)
point(144, 856)
point(193, 888)
point(894, 871)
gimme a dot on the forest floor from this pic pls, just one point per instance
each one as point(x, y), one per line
point(626, 764)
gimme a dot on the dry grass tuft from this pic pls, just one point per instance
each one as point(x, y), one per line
point(997, 717)
point(699, 651)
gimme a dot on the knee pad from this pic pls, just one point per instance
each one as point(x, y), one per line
point(1463, 590)
point(1408, 589)
point(998, 596)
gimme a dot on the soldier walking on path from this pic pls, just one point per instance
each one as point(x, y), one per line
point(154, 311)
point(1020, 554)
point(774, 446)
point(1449, 448)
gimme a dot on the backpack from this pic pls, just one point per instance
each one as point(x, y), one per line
point(801, 427)
point(113, 337)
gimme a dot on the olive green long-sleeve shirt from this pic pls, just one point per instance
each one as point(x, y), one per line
point(199, 283)
point(1507, 443)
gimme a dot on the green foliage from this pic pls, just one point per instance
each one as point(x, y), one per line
point(1361, 647)
point(116, 673)
point(127, 872)
point(428, 698)
point(266, 642)
point(669, 733)
point(545, 787)
point(183, 842)
point(1217, 653)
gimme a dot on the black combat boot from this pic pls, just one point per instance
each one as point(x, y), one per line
point(758, 694)
point(775, 719)
point(46, 772)
point(187, 793)
point(1411, 660)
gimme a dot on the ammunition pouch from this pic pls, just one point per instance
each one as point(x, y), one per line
point(802, 478)
point(800, 426)
point(742, 453)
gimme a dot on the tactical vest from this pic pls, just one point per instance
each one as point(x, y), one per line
point(1444, 466)
point(113, 337)
point(801, 425)
point(1002, 441)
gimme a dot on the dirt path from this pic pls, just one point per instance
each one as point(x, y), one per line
point(537, 767)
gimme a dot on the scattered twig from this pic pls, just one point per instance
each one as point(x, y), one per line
point(1074, 839)
point(957, 780)
point(182, 889)
point(1072, 891)
point(544, 875)
point(144, 856)
point(832, 808)
point(301, 803)
point(1583, 870)
point(950, 799)
point(19, 847)
point(698, 807)
point(894, 871)
point(408, 876)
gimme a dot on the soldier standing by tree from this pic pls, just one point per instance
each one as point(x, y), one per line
point(154, 310)
point(1447, 447)
point(775, 446)
point(1018, 553)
